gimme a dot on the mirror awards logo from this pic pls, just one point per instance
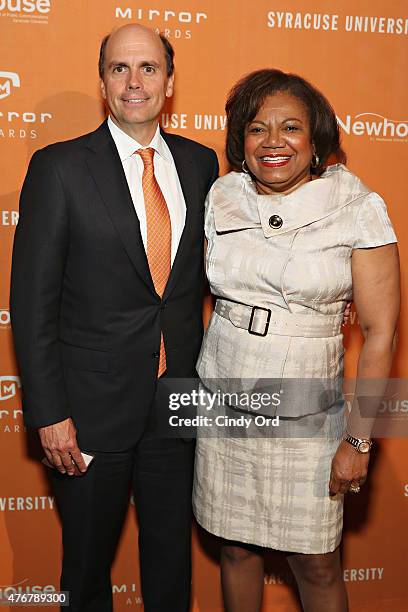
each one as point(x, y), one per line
point(16, 124)
point(8, 80)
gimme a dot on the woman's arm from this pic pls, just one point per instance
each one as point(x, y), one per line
point(376, 294)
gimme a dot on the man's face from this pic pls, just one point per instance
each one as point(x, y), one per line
point(135, 83)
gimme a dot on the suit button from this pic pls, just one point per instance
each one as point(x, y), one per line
point(275, 221)
point(156, 354)
point(162, 307)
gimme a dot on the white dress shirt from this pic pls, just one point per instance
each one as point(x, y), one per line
point(166, 176)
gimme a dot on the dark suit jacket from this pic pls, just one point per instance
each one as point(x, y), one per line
point(86, 318)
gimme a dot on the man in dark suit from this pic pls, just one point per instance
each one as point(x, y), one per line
point(107, 286)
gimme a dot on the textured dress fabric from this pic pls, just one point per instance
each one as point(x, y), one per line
point(269, 490)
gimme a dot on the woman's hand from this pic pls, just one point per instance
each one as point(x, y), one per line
point(348, 466)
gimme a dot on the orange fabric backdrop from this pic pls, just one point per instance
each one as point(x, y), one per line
point(356, 53)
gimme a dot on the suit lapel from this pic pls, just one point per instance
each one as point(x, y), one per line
point(107, 171)
point(186, 171)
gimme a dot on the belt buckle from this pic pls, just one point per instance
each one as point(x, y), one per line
point(250, 330)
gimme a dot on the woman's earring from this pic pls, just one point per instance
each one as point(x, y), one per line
point(244, 167)
point(315, 160)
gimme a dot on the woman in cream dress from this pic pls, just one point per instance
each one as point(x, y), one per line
point(285, 254)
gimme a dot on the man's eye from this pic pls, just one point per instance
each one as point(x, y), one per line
point(149, 69)
point(119, 69)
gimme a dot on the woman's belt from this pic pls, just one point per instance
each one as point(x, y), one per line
point(260, 321)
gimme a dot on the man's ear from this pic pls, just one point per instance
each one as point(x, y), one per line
point(103, 89)
point(170, 86)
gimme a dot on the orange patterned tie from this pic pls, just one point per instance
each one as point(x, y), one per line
point(158, 234)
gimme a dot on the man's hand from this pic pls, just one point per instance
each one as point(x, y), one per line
point(61, 448)
point(348, 466)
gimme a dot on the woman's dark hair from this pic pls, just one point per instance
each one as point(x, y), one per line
point(247, 96)
point(168, 53)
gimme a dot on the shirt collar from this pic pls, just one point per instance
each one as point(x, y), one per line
point(126, 145)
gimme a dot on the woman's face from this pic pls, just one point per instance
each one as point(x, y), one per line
point(278, 150)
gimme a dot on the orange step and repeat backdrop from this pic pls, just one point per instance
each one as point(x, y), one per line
point(356, 53)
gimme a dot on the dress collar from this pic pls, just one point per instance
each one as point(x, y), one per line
point(237, 205)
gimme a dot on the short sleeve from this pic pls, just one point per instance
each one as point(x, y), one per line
point(373, 226)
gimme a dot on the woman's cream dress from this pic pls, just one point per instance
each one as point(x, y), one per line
point(271, 490)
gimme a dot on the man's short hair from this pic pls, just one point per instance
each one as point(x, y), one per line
point(168, 52)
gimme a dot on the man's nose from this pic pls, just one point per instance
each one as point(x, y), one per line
point(134, 81)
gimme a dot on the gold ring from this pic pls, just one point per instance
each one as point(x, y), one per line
point(354, 488)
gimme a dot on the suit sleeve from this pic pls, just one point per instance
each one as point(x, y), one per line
point(214, 170)
point(39, 254)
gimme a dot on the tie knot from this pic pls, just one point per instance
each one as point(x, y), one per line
point(146, 155)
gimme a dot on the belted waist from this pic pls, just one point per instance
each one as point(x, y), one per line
point(260, 321)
